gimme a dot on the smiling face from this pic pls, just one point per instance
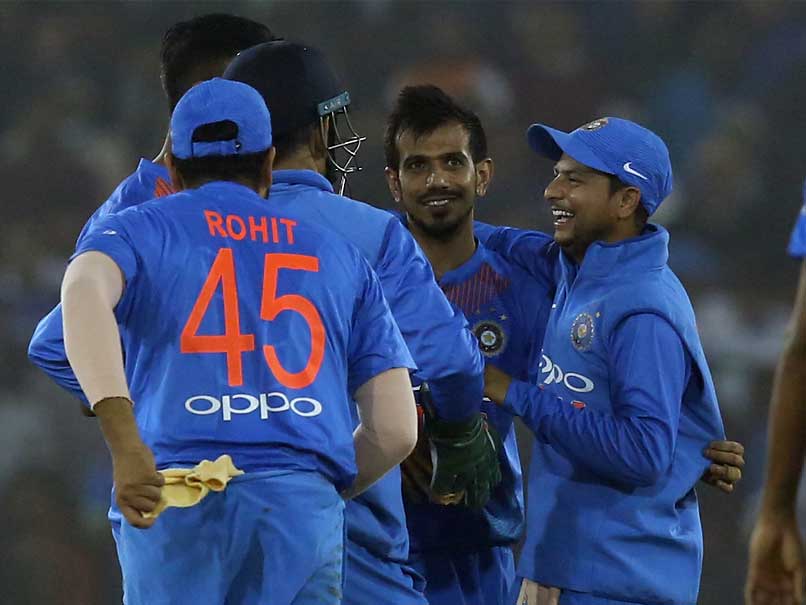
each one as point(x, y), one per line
point(436, 180)
point(586, 208)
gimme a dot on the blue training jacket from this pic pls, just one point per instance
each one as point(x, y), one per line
point(625, 407)
point(429, 325)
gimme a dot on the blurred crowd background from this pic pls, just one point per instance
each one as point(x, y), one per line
point(721, 82)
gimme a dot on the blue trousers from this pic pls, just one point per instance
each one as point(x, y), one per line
point(370, 580)
point(482, 577)
point(271, 538)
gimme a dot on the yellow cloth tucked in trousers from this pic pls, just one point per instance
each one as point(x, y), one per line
point(188, 486)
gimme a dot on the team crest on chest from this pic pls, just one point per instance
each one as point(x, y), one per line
point(582, 332)
point(492, 339)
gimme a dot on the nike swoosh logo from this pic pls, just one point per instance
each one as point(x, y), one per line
point(628, 168)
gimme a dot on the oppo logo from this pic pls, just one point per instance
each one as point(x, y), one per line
point(241, 403)
point(571, 380)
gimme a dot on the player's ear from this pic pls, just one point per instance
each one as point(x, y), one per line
point(393, 181)
point(484, 175)
point(629, 198)
point(176, 178)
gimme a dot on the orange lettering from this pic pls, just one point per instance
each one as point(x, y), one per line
point(233, 219)
point(289, 229)
point(215, 223)
point(254, 229)
point(275, 236)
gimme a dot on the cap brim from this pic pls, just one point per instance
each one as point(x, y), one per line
point(552, 143)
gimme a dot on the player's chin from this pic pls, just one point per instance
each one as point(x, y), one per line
point(564, 236)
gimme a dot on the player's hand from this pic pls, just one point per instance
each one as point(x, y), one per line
point(496, 383)
point(775, 573)
point(138, 485)
point(533, 593)
point(464, 456)
point(728, 459)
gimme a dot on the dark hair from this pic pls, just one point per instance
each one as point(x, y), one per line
point(423, 109)
point(641, 215)
point(190, 49)
point(287, 143)
point(238, 168)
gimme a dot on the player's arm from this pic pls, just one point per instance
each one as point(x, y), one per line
point(533, 251)
point(649, 369)
point(378, 378)
point(448, 359)
point(92, 287)
point(388, 429)
point(46, 350)
point(776, 554)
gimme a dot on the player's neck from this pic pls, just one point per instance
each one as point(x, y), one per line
point(446, 253)
point(302, 160)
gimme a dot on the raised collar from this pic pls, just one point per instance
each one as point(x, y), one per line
point(646, 252)
point(308, 178)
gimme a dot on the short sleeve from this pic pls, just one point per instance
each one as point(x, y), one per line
point(376, 344)
point(109, 236)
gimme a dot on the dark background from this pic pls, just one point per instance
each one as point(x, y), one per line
point(80, 102)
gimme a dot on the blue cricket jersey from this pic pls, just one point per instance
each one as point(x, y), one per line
point(507, 310)
point(430, 326)
point(797, 243)
point(427, 321)
point(46, 349)
point(624, 409)
point(244, 331)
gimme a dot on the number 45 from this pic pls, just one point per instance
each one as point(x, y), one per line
point(233, 342)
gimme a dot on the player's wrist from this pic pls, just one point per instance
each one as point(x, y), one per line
point(776, 508)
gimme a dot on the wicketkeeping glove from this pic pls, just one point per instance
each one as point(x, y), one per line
point(464, 456)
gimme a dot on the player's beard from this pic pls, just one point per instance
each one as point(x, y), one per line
point(442, 230)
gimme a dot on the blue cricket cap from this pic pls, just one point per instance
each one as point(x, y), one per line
point(215, 101)
point(636, 155)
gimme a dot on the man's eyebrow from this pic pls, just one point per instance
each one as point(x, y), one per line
point(579, 170)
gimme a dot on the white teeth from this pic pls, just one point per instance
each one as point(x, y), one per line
point(437, 202)
point(560, 213)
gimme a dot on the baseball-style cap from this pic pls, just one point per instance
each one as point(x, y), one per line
point(636, 155)
point(220, 100)
point(295, 80)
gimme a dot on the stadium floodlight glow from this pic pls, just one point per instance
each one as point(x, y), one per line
point(349, 143)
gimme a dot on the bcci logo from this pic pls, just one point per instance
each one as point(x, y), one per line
point(595, 125)
point(582, 332)
point(491, 337)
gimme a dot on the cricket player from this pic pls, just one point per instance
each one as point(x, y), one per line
point(626, 404)
point(306, 99)
point(437, 165)
point(191, 51)
point(245, 333)
point(777, 567)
